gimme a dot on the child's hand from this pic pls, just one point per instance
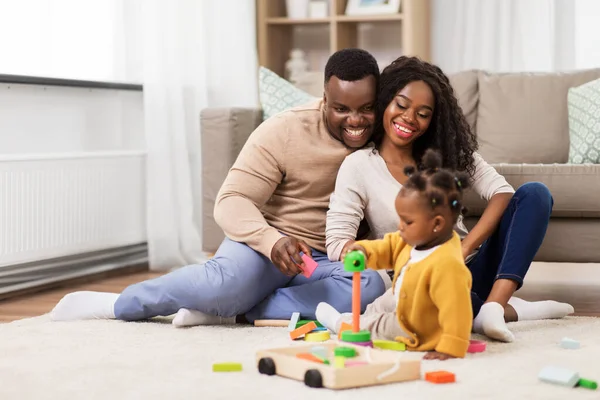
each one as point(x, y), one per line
point(351, 246)
point(434, 355)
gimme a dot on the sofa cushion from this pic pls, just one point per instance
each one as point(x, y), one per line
point(522, 117)
point(277, 95)
point(465, 85)
point(584, 123)
point(575, 188)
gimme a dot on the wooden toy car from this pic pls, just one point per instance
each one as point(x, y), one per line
point(369, 367)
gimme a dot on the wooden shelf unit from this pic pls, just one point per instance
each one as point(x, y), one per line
point(275, 30)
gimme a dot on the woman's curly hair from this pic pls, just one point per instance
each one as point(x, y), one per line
point(448, 132)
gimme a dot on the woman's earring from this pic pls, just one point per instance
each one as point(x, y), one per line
point(435, 229)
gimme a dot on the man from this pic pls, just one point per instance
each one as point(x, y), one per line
point(272, 207)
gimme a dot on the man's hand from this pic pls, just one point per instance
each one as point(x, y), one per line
point(286, 255)
point(434, 355)
point(351, 246)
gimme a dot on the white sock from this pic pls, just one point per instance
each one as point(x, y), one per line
point(532, 310)
point(490, 322)
point(85, 305)
point(186, 317)
point(328, 316)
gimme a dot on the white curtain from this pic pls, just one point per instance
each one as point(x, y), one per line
point(188, 54)
point(515, 35)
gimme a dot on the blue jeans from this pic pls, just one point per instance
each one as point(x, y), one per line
point(239, 280)
point(509, 251)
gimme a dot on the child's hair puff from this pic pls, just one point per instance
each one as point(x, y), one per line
point(442, 187)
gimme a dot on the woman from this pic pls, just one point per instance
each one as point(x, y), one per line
point(417, 110)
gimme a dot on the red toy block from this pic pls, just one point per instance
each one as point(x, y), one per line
point(476, 346)
point(303, 330)
point(311, 265)
point(440, 377)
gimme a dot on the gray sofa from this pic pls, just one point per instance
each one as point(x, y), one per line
point(522, 125)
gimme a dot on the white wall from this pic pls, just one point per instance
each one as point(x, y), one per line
point(49, 119)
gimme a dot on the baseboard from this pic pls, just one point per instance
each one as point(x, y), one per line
point(83, 268)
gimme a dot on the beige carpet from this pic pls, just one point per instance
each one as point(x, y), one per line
point(40, 359)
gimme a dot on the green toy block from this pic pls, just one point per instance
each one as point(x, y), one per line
point(356, 337)
point(588, 384)
point(355, 261)
point(227, 367)
point(346, 352)
point(303, 322)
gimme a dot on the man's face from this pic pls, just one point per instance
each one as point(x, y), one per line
point(350, 110)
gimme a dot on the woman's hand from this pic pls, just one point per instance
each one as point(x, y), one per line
point(466, 250)
point(434, 355)
point(351, 246)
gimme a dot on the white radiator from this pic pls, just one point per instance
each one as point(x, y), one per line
point(53, 206)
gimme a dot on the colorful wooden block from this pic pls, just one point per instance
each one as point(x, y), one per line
point(389, 345)
point(343, 351)
point(310, 266)
point(353, 363)
point(312, 357)
point(317, 336)
point(272, 322)
point(319, 351)
point(339, 362)
point(306, 321)
point(559, 376)
point(293, 321)
point(440, 377)
point(227, 367)
point(476, 346)
point(588, 384)
point(568, 343)
point(344, 327)
point(303, 330)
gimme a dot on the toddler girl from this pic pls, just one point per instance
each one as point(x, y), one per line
point(429, 305)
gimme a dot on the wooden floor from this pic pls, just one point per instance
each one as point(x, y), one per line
point(32, 305)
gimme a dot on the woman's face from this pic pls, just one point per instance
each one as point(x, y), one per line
point(409, 113)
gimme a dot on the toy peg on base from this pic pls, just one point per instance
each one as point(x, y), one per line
point(355, 262)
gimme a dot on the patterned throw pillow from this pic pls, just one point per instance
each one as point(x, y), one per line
point(277, 95)
point(584, 123)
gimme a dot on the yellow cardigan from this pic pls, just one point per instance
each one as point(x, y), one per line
point(434, 306)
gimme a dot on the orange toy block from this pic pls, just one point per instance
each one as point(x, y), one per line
point(303, 330)
point(344, 327)
point(440, 377)
point(312, 357)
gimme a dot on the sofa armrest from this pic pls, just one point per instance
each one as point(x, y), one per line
point(223, 132)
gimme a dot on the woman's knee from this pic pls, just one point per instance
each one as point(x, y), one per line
point(538, 193)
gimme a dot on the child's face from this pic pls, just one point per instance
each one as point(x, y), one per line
point(417, 220)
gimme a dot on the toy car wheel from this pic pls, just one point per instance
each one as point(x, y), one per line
point(266, 366)
point(313, 378)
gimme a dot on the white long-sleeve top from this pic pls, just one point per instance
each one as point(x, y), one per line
point(365, 188)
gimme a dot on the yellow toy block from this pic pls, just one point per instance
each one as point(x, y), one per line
point(227, 367)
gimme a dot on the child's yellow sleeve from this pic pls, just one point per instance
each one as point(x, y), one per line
point(382, 253)
point(450, 291)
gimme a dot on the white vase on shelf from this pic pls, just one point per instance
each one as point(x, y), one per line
point(297, 9)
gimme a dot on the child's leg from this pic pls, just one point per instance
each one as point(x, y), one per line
point(329, 316)
point(384, 303)
point(382, 325)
